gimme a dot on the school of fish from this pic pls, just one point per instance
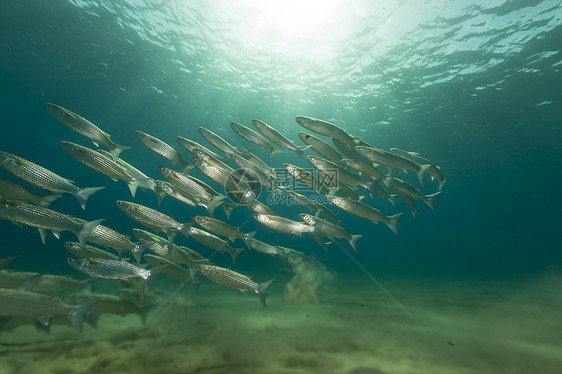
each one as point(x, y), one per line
point(331, 187)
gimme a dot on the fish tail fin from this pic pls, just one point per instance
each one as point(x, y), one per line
point(392, 199)
point(300, 149)
point(184, 229)
point(214, 202)
point(83, 194)
point(235, 254)
point(371, 187)
point(228, 208)
point(77, 313)
point(47, 200)
point(153, 274)
point(430, 198)
point(116, 149)
point(414, 212)
point(160, 194)
point(357, 139)
point(392, 222)
point(421, 172)
point(361, 197)
point(273, 153)
point(135, 183)
point(86, 228)
point(249, 237)
point(262, 290)
point(139, 250)
point(353, 241)
point(186, 167)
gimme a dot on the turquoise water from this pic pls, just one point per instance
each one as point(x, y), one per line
point(472, 86)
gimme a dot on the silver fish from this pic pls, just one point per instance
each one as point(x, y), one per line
point(224, 229)
point(12, 191)
point(363, 167)
point(193, 190)
point(45, 219)
point(84, 251)
point(348, 150)
point(217, 141)
point(265, 168)
point(329, 229)
point(236, 185)
point(191, 146)
point(134, 172)
point(255, 173)
point(214, 242)
point(111, 304)
point(258, 207)
point(237, 281)
point(362, 210)
point(227, 207)
point(390, 160)
point(160, 246)
point(342, 175)
point(172, 270)
point(162, 149)
point(320, 147)
point(101, 164)
point(153, 219)
point(41, 282)
point(327, 129)
point(312, 205)
point(86, 128)
point(284, 225)
point(165, 188)
point(17, 303)
point(41, 177)
point(277, 138)
point(112, 269)
point(405, 188)
point(253, 137)
point(307, 178)
point(109, 238)
point(265, 248)
point(434, 170)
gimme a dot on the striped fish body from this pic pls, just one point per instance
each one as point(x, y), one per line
point(214, 242)
point(326, 228)
point(164, 188)
point(162, 149)
point(184, 184)
point(108, 269)
point(312, 205)
point(258, 162)
point(327, 129)
point(148, 217)
point(218, 227)
point(12, 191)
point(283, 225)
point(237, 281)
point(217, 141)
point(191, 146)
point(18, 303)
point(46, 283)
point(86, 128)
point(363, 167)
point(276, 137)
point(160, 246)
point(96, 161)
point(320, 147)
point(251, 136)
point(41, 177)
point(44, 218)
point(307, 178)
point(258, 207)
point(78, 250)
point(227, 278)
point(133, 172)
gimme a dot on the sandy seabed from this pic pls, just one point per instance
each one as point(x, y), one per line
point(453, 326)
